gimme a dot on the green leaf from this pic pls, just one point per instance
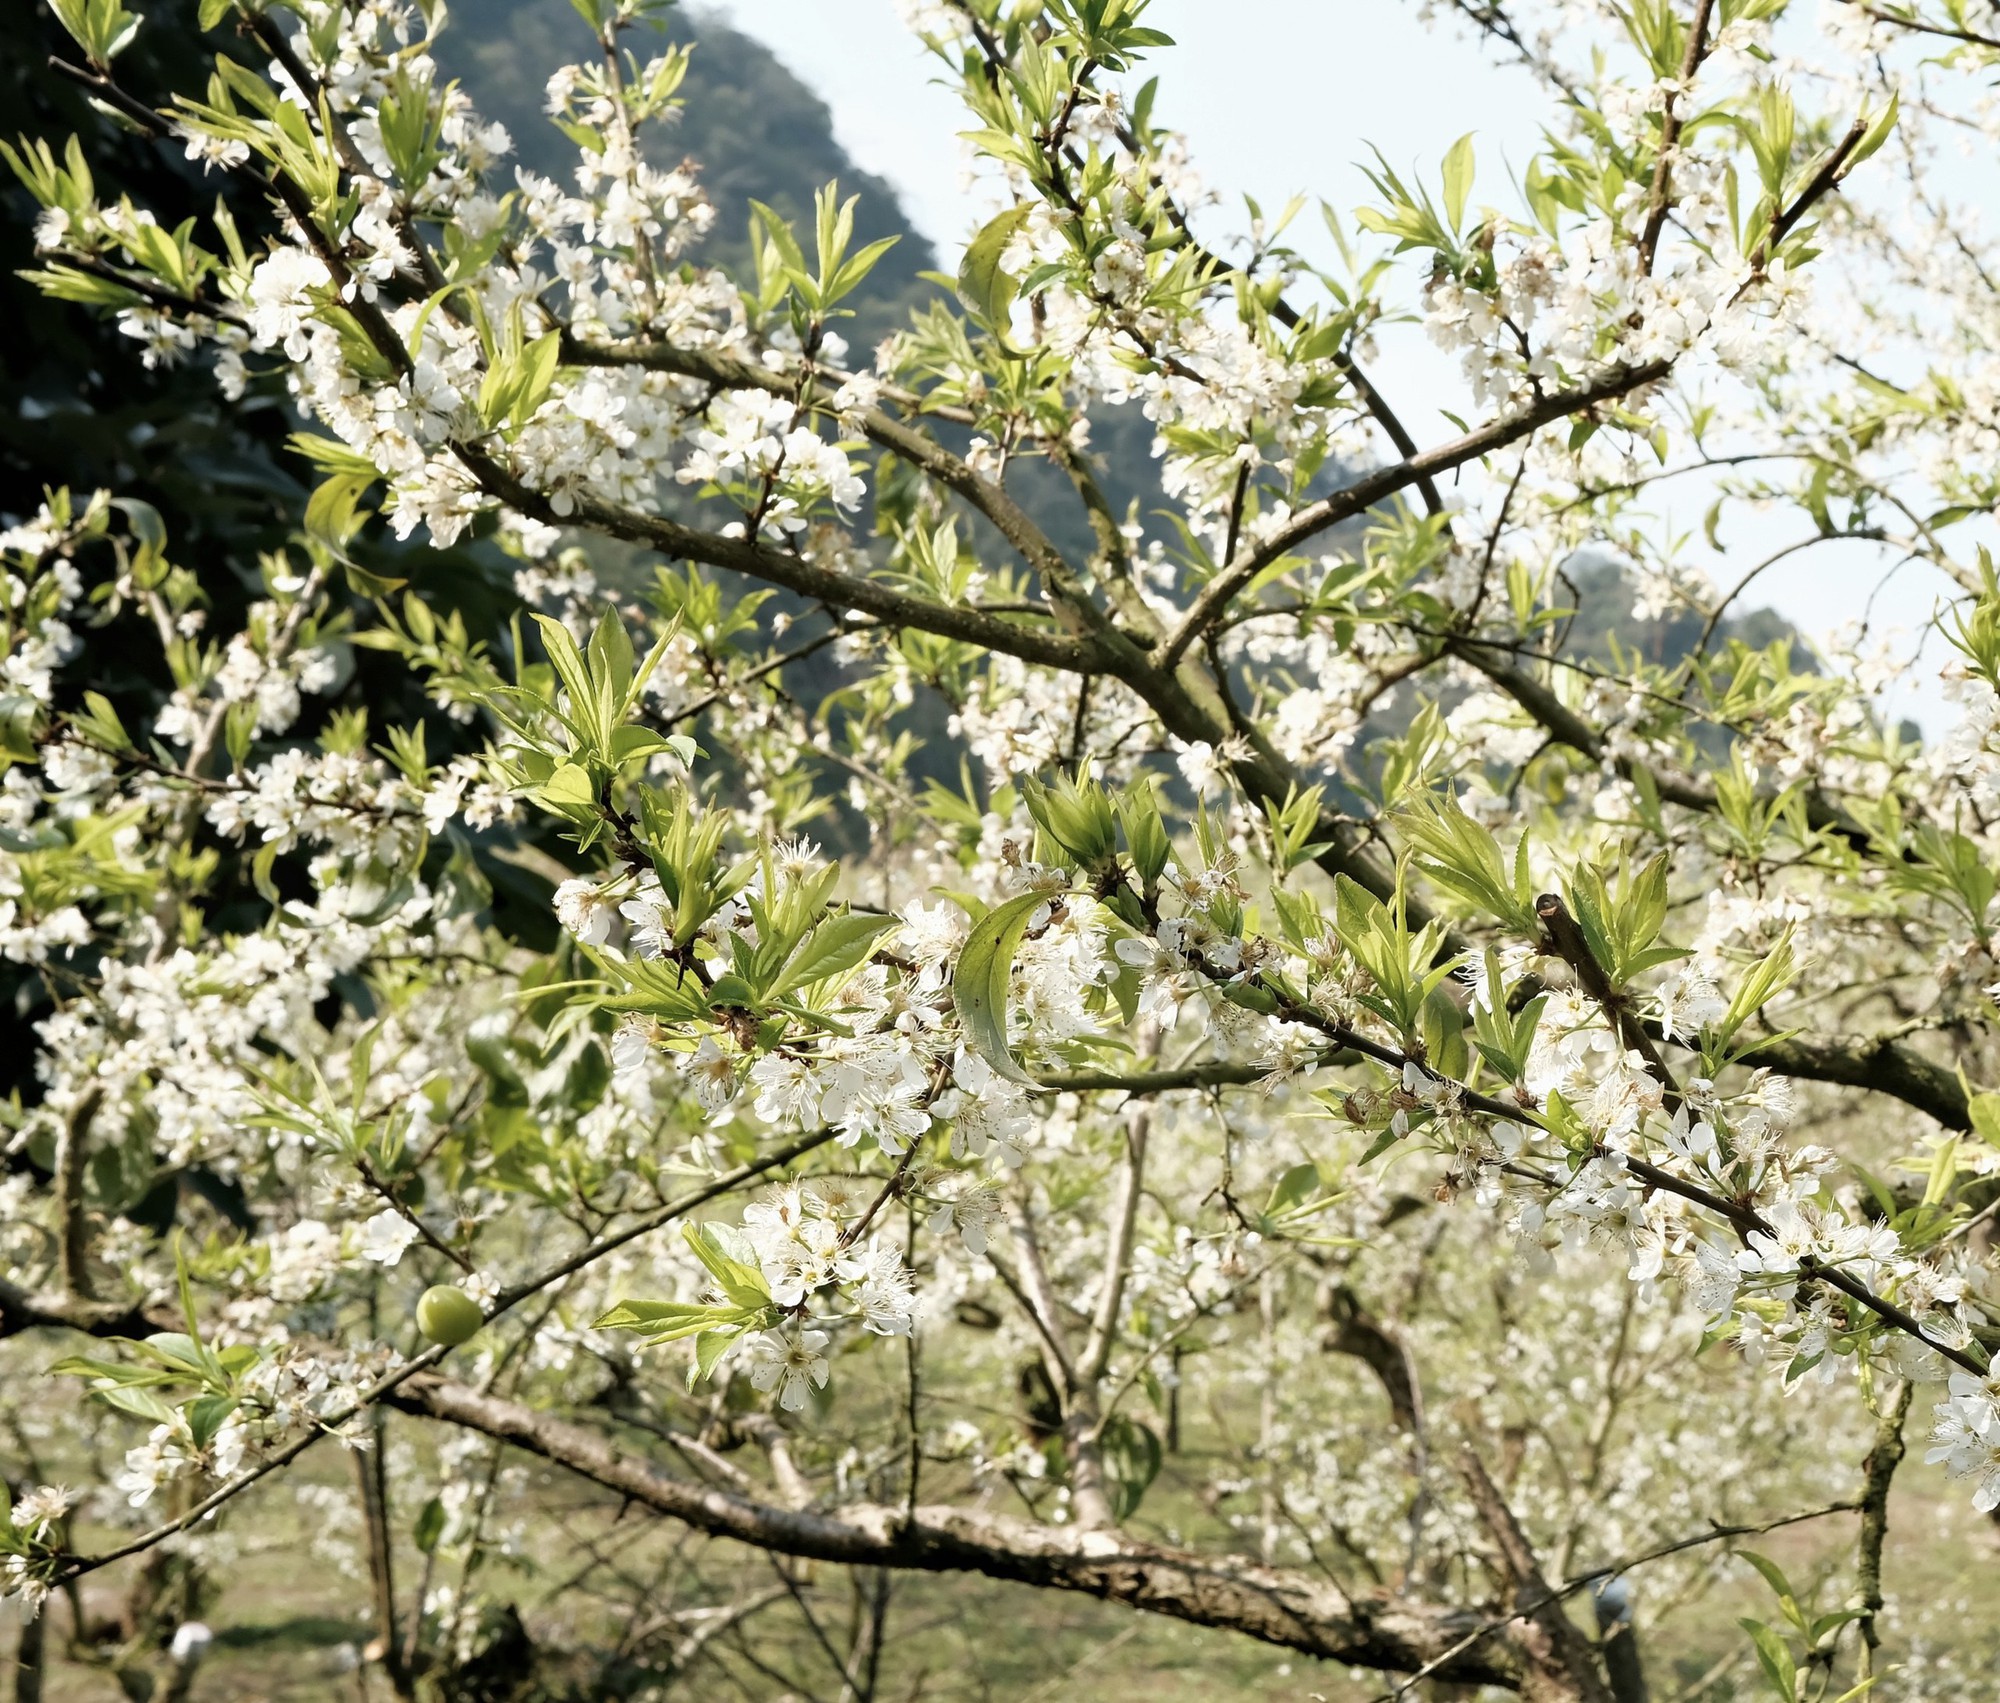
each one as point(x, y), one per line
point(1464, 858)
point(1774, 1575)
point(537, 373)
point(610, 660)
point(1458, 169)
point(837, 945)
point(1774, 1656)
point(709, 1348)
point(102, 28)
point(647, 1315)
point(429, 1527)
point(1379, 1146)
point(1145, 834)
point(143, 1403)
point(670, 1321)
point(1772, 974)
point(205, 1416)
point(1296, 1185)
point(658, 988)
point(983, 978)
point(1132, 1456)
point(569, 787)
point(778, 231)
point(741, 1281)
point(987, 292)
point(1878, 132)
point(1984, 1110)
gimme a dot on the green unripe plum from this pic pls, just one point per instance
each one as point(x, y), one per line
point(447, 1315)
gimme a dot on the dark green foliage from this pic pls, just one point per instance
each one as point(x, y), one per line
point(79, 408)
point(76, 406)
point(1602, 599)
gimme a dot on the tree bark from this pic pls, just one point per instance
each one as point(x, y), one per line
point(1277, 1606)
point(1561, 1667)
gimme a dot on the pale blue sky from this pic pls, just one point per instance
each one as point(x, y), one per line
point(1260, 122)
point(1351, 74)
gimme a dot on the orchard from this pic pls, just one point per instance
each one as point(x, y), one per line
point(712, 950)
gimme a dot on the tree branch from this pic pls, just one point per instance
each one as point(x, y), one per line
point(1274, 1605)
point(1491, 18)
point(1368, 490)
point(989, 497)
point(72, 1227)
point(1879, 1063)
point(1118, 1245)
point(1563, 1668)
point(22, 1310)
point(773, 567)
point(1569, 1588)
point(1568, 728)
point(1660, 198)
point(1879, 1471)
point(76, 1566)
point(1566, 940)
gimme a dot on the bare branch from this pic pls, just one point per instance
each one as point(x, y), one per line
point(1564, 1669)
point(1118, 1245)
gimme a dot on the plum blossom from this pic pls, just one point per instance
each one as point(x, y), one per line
point(386, 1237)
point(791, 1361)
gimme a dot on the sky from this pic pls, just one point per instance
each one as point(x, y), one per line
point(1263, 123)
point(1271, 124)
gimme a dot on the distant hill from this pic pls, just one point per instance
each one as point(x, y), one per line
point(757, 132)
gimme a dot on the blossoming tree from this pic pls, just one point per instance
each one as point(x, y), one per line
point(1273, 981)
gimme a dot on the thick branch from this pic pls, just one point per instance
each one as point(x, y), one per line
point(72, 1225)
point(1274, 1605)
point(1874, 1062)
point(21, 1310)
point(1355, 1331)
point(1562, 1668)
point(775, 567)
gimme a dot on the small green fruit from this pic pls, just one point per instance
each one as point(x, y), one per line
point(448, 1315)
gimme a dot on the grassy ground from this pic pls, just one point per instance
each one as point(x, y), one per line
point(290, 1622)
